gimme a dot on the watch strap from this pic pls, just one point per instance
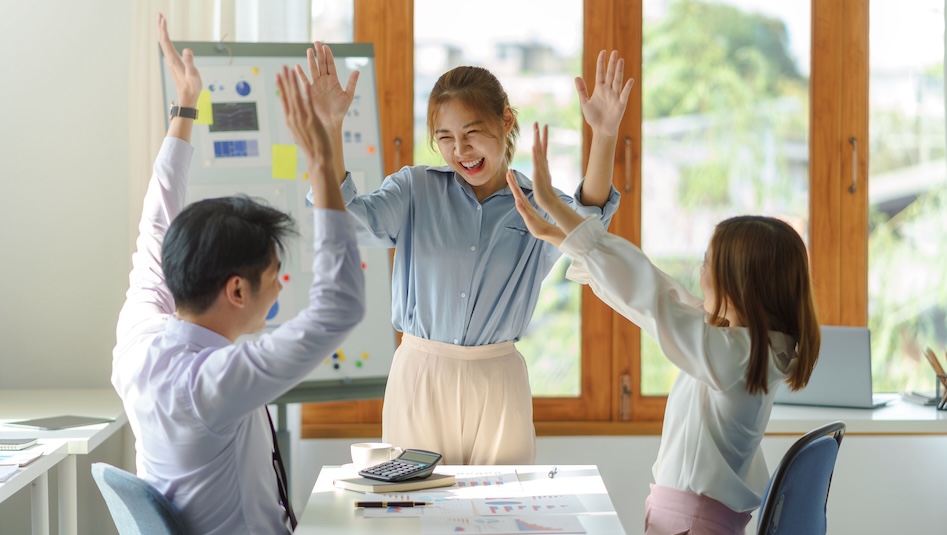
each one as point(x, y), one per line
point(181, 111)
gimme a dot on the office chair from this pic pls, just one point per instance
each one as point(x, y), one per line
point(137, 508)
point(794, 502)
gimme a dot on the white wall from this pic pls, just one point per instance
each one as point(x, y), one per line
point(882, 485)
point(63, 189)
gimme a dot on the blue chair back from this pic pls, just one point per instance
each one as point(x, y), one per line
point(794, 502)
point(137, 508)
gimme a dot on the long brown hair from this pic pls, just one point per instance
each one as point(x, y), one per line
point(480, 91)
point(760, 266)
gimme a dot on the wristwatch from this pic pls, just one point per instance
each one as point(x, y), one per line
point(180, 111)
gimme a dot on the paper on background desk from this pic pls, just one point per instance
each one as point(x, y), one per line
point(7, 471)
point(493, 524)
point(22, 457)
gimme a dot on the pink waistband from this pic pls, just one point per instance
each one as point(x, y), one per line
point(697, 505)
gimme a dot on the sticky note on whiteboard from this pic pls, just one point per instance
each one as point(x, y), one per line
point(285, 162)
point(205, 112)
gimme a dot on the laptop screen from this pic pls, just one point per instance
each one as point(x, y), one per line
point(842, 376)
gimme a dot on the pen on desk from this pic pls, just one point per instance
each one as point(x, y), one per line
point(553, 472)
point(390, 504)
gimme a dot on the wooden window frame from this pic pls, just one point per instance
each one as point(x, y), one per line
point(838, 234)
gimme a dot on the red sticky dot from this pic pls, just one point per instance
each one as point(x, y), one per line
point(364, 265)
point(371, 149)
point(286, 277)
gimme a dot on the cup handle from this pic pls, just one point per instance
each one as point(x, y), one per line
point(395, 452)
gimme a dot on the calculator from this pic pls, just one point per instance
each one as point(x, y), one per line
point(412, 464)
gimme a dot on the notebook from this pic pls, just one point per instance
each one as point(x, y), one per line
point(842, 376)
point(12, 444)
point(361, 484)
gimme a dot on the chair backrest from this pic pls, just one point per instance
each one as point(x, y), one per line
point(136, 506)
point(795, 500)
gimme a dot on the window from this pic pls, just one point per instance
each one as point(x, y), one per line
point(725, 131)
point(907, 228)
point(739, 106)
point(329, 21)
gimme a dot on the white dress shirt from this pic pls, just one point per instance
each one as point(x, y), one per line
point(195, 401)
point(710, 444)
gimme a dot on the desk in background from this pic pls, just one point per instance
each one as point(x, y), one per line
point(897, 418)
point(40, 403)
point(36, 475)
point(331, 510)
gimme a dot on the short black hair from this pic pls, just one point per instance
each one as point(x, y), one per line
point(215, 239)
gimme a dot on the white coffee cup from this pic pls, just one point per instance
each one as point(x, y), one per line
point(366, 454)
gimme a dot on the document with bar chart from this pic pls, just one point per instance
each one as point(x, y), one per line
point(525, 524)
point(528, 505)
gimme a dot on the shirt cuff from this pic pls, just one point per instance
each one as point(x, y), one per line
point(332, 225)
point(583, 238)
point(347, 184)
point(606, 212)
point(349, 191)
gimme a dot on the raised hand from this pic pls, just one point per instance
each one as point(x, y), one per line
point(187, 79)
point(325, 91)
point(304, 122)
point(605, 107)
point(312, 136)
point(537, 224)
point(546, 197)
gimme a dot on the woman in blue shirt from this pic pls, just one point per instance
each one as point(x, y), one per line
point(467, 273)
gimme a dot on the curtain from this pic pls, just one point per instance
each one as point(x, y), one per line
point(188, 20)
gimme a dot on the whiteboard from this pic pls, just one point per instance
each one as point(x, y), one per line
point(242, 145)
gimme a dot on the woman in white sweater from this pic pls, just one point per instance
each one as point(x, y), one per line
point(755, 327)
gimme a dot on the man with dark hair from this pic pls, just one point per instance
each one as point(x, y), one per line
point(202, 277)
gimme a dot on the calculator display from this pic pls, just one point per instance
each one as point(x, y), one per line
point(417, 456)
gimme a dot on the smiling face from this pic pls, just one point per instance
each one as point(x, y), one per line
point(473, 146)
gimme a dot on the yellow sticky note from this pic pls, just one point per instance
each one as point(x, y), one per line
point(205, 113)
point(285, 162)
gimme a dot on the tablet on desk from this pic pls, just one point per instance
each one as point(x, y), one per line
point(60, 422)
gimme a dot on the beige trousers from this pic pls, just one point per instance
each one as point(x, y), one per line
point(470, 404)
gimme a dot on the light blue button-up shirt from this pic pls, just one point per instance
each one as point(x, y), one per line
point(465, 272)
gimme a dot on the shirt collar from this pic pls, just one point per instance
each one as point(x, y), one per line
point(194, 334)
point(525, 184)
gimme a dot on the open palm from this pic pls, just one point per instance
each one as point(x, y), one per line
point(605, 107)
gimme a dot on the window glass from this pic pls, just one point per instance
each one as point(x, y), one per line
point(535, 53)
point(907, 243)
point(286, 21)
point(725, 132)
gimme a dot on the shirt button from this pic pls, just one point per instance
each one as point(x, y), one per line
point(463, 294)
point(456, 341)
point(473, 247)
point(478, 207)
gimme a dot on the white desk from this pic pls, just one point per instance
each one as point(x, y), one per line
point(35, 473)
point(331, 510)
point(27, 404)
point(897, 418)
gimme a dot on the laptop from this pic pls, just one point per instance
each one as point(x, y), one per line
point(842, 376)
